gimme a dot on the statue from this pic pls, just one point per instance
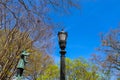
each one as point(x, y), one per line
point(21, 64)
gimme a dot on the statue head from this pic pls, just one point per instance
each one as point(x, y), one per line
point(24, 53)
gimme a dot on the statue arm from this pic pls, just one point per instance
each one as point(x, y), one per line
point(27, 54)
point(25, 59)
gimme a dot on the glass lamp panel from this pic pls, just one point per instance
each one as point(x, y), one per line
point(62, 37)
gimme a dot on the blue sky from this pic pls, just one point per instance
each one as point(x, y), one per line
point(84, 26)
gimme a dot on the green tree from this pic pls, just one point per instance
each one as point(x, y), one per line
point(118, 78)
point(51, 73)
point(78, 69)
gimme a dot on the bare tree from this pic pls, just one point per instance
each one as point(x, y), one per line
point(109, 59)
point(25, 24)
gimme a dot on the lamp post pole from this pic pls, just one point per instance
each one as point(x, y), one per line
point(62, 66)
point(62, 36)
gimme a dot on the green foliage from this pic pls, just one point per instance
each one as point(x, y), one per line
point(118, 78)
point(75, 70)
point(51, 73)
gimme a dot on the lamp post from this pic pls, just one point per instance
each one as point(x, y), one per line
point(62, 37)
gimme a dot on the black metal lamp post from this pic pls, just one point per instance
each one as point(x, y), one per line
point(62, 36)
